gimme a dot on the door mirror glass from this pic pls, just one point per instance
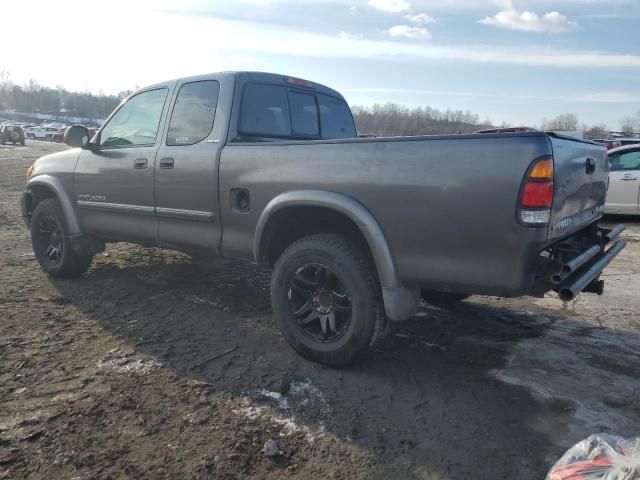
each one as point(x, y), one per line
point(76, 136)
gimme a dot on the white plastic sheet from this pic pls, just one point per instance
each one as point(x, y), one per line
point(599, 457)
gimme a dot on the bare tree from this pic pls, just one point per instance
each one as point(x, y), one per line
point(392, 119)
point(630, 124)
point(563, 122)
point(596, 131)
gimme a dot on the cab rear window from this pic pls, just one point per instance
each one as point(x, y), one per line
point(273, 111)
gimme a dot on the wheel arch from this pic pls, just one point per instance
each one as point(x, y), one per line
point(400, 302)
point(46, 186)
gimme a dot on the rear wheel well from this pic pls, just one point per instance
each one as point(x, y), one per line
point(293, 223)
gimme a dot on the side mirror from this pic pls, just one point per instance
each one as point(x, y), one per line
point(76, 136)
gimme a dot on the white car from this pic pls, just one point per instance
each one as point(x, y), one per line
point(623, 196)
point(40, 132)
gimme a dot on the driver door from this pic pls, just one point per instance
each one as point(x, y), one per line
point(114, 184)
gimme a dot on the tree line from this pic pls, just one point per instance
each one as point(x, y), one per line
point(32, 98)
point(387, 119)
point(392, 119)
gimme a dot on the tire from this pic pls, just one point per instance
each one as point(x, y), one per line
point(22, 142)
point(51, 243)
point(443, 299)
point(329, 282)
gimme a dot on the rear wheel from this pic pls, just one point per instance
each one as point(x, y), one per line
point(326, 299)
point(51, 243)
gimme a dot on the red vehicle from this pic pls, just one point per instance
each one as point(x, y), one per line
point(585, 470)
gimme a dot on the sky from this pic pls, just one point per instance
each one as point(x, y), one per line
point(515, 61)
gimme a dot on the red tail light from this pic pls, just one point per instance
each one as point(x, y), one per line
point(536, 196)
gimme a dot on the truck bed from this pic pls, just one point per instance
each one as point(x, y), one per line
point(446, 204)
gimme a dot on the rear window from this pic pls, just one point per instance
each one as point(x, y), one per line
point(336, 118)
point(304, 114)
point(265, 111)
point(281, 112)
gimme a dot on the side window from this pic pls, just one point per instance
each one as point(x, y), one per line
point(265, 111)
point(193, 113)
point(136, 122)
point(625, 161)
point(304, 114)
point(335, 118)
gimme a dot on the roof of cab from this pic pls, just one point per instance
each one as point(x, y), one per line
point(259, 77)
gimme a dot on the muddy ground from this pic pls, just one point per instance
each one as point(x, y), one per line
point(156, 365)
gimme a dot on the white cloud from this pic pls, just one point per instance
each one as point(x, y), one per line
point(394, 6)
point(526, 21)
point(349, 36)
point(415, 33)
point(420, 19)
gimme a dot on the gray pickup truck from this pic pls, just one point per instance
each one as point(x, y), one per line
point(269, 168)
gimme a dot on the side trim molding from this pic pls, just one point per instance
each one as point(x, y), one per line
point(117, 207)
point(185, 214)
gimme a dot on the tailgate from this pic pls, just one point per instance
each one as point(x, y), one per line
point(580, 185)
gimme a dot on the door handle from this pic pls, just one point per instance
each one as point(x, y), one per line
point(166, 162)
point(628, 178)
point(140, 163)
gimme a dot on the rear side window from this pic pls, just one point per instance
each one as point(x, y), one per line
point(335, 118)
point(265, 111)
point(193, 113)
point(304, 114)
point(625, 161)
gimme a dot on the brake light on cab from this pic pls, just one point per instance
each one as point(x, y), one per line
point(536, 195)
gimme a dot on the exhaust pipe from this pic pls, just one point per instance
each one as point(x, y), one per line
point(570, 291)
point(614, 233)
point(574, 265)
point(570, 267)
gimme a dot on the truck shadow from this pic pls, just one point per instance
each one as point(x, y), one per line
point(427, 397)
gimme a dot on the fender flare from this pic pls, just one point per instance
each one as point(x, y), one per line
point(400, 302)
point(56, 186)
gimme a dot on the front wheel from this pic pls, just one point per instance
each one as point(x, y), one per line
point(326, 299)
point(51, 243)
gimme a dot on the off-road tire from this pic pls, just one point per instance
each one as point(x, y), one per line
point(443, 299)
point(69, 264)
point(348, 262)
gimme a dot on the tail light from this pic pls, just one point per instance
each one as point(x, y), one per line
point(536, 195)
point(610, 145)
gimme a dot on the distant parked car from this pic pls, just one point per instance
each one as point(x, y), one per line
point(624, 181)
point(11, 133)
point(612, 143)
point(41, 133)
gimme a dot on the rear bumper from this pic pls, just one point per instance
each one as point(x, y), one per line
point(575, 264)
